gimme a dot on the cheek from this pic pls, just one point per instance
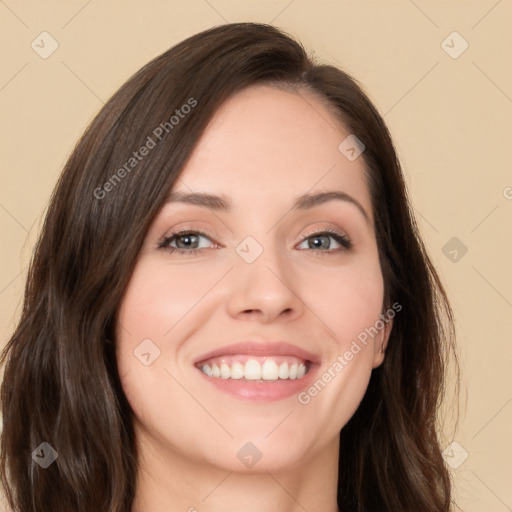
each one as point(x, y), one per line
point(148, 310)
point(348, 300)
point(152, 322)
point(155, 302)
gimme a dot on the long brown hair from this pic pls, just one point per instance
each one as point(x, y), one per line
point(61, 385)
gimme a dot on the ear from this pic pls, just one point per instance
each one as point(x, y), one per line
point(381, 342)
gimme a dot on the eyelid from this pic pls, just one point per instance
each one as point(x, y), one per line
point(319, 231)
point(187, 228)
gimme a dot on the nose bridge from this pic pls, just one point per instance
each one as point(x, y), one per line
point(262, 258)
point(262, 278)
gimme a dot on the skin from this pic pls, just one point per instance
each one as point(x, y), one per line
point(263, 149)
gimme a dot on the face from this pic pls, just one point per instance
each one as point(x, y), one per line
point(252, 325)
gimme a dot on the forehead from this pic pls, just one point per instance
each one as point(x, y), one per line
point(267, 143)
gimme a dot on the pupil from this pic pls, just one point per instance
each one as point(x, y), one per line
point(318, 239)
point(187, 239)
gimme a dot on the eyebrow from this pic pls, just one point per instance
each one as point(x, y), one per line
point(304, 202)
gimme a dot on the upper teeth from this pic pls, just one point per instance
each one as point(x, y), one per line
point(254, 370)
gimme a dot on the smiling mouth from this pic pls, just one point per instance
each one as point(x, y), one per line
point(255, 369)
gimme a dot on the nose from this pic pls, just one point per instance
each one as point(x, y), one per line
point(264, 290)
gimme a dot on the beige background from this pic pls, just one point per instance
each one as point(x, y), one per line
point(451, 119)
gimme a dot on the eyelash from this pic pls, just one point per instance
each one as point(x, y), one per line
point(342, 239)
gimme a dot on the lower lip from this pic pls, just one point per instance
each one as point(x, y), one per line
point(270, 391)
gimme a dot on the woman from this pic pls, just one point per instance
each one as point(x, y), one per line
point(229, 306)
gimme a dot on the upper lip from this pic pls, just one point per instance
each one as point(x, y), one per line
point(265, 348)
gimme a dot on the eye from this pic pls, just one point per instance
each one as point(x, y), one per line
point(186, 240)
point(321, 239)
